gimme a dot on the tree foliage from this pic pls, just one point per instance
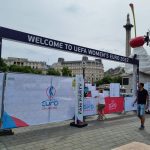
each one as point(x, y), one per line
point(27, 69)
point(3, 66)
point(108, 80)
point(66, 71)
point(24, 69)
point(52, 71)
point(16, 68)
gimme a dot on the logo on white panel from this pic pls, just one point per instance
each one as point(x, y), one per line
point(50, 92)
point(51, 102)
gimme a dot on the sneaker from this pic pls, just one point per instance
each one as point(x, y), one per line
point(142, 127)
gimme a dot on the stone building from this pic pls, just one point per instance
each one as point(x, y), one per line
point(92, 70)
point(25, 62)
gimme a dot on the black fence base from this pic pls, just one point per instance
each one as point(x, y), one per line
point(81, 125)
point(4, 132)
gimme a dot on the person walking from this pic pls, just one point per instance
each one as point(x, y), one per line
point(142, 103)
point(100, 107)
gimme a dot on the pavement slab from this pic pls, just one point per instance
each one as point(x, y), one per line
point(134, 146)
point(109, 134)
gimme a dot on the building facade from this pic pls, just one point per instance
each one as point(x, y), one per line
point(92, 70)
point(25, 62)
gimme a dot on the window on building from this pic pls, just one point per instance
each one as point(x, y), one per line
point(125, 81)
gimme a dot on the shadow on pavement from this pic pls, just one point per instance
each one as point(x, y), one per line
point(61, 132)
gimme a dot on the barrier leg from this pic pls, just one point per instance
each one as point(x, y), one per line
point(4, 132)
point(79, 124)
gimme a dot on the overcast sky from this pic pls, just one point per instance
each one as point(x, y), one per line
point(96, 24)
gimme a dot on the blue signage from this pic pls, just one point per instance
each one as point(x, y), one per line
point(63, 46)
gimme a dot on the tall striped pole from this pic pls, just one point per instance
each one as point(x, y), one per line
point(132, 8)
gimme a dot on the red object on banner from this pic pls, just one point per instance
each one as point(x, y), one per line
point(113, 104)
point(137, 42)
point(89, 94)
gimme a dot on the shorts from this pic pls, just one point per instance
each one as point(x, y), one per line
point(101, 106)
point(141, 109)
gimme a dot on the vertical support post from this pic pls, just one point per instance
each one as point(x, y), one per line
point(83, 67)
point(92, 80)
point(4, 132)
point(0, 47)
point(3, 91)
point(134, 80)
point(83, 73)
point(3, 86)
point(137, 77)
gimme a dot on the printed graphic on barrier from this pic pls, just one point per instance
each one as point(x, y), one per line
point(90, 106)
point(51, 102)
point(36, 99)
point(113, 104)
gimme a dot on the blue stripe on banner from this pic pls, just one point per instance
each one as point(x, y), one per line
point(7, 121)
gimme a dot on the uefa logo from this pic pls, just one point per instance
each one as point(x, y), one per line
point(50, 92)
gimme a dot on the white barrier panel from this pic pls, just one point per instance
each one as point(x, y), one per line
point(106, 93)
point(79, 99)
point(1, 92)
point(114, 89)
point(128, 104)
point(147, 87)
point(90, 106)
point(36, 99)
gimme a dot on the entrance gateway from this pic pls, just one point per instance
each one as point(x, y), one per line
point(27, 38)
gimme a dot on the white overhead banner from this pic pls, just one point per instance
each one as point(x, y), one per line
point(37, 99)
point(128, 104)
point(1, 92)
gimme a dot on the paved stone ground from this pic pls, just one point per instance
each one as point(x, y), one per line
point(98, 135)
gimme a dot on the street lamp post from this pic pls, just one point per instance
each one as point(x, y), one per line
point(92, 79)
point(83, 68)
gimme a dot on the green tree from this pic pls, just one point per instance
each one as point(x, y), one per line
point(24, 69)
point(3, 66)
point(52, 71)
point(99, 82)
point(66, 71)
point(108, 80)
point(36, 71)
point(117, 79)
